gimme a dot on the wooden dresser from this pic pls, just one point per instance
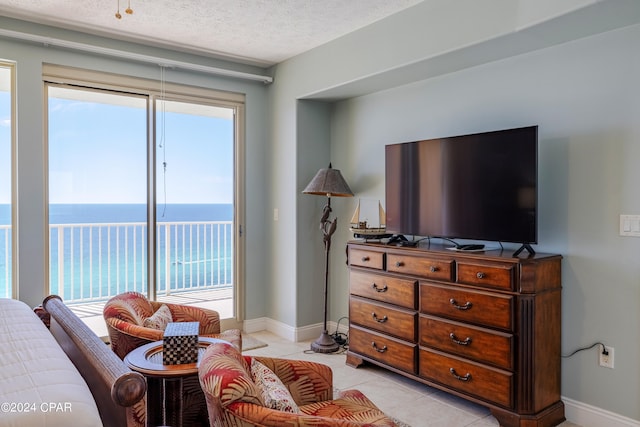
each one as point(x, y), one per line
point(484, 326)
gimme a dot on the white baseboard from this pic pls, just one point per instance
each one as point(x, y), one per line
point(591, 416)
point(255, 325)
point(282, 329)
point(304, 333)
point(576, 412)
point(312, 332)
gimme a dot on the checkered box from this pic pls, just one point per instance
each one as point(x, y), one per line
point(180, 343)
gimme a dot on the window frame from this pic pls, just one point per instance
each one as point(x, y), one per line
point(11, 66)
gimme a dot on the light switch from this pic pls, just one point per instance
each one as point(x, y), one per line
point(630, 225)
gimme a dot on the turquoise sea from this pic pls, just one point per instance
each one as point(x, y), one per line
point(100, 250)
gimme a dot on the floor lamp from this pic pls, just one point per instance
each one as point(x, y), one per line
point(327, 182)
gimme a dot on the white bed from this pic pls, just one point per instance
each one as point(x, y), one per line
point(39, 385)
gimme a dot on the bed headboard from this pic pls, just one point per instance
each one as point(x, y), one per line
point(115, 387)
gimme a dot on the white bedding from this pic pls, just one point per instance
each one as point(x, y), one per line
point(39, 386)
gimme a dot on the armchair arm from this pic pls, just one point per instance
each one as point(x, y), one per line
point(209, 319)
point(135, 330)
point(308, 382)
point(252, 414)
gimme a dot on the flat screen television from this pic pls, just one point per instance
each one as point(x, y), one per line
point(481, 186)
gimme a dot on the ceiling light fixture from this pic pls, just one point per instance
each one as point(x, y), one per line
point(128, 10)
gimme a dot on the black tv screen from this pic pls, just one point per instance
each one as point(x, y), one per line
point(481, 186)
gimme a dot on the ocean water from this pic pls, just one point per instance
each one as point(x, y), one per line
point(112, 213)
point(101, 250)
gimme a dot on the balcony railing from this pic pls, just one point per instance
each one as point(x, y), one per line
point(93, 262)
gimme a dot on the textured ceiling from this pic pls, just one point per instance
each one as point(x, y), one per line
point(260, 32)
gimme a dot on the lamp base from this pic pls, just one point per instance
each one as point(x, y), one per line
point(325, 344)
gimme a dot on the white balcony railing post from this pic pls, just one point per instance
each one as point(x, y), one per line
point(61, 263)
point(167, 259)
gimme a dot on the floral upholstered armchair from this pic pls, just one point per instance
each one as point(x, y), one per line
point(244, 391)
point(132, 320)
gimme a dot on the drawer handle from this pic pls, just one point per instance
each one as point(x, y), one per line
point(365, 259)
point(382, 320)
point(433, 269)
point(467, 305)
point(455, 339)
point(480, 275)
point(382, 289)
point(399, 264)
point(379, 350)
point(467, 376)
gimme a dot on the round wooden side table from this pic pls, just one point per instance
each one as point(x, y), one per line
point(164, 382)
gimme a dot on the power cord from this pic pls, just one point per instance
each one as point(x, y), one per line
point(339, 337)
point(604, 350)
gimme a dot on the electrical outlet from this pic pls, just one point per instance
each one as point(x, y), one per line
point(606, 360)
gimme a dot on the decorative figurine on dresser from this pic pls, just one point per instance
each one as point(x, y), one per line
point(484, 326)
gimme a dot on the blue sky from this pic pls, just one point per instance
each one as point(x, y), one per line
point(97, 153)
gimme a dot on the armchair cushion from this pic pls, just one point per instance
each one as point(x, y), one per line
point(160, 319)
point(274, 393)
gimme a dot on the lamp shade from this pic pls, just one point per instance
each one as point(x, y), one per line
point(328, 182)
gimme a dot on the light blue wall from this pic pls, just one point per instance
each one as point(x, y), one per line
point(584, 96)
point(313, 135)
point(585, 99)
point(404, 40)
point(431, 39)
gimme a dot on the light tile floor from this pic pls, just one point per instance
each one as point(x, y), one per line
point(410, 401)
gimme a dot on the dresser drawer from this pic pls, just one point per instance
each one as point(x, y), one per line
point(385, 349)
point(482, 345)
point(478, 307)
point(498, 276)
point(487, 383)
point(383, 318)
point(429, 267)
point(394, 290)
point(366, 258)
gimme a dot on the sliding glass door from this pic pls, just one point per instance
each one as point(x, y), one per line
point(97, 193)
point(195, 200)
point(142, 196)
